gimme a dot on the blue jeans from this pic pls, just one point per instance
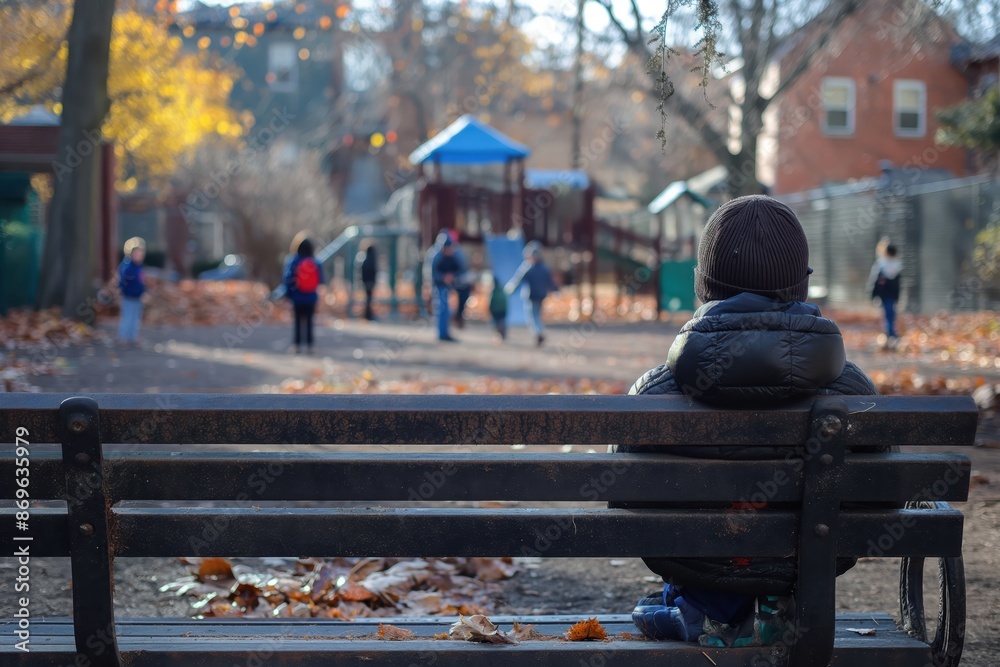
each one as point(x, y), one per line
point(533, 313)
point(889, 305)
point(442, 310)
point(729, 608)
point(128, 328)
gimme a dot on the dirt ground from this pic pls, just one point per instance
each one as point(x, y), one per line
point(220, 359)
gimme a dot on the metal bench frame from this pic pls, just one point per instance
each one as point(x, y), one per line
point(819, 481)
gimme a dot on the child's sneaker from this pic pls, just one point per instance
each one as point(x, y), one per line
point(771, 618)
point(660, 618)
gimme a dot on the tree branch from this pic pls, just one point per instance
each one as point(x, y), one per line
point(693, 113)
point(33, 73)
point(631, 41)
point(737, 10)
point(694, 116)
point(846, 8)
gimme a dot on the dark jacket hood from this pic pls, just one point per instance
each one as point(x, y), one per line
point(752, 349)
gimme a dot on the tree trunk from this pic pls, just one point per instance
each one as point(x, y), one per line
point(419, 115)
point(742, 179)
point(575, 156)
point(69, 242)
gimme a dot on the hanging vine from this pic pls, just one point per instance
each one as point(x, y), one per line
point(707, 49)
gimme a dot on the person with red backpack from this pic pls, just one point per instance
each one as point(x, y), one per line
point(302, 277)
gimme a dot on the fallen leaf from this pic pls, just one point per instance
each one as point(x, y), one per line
point(587, 630)
point(292, 610)
point(392, 633)
point(524, 632)
point(214, 569)
point(442, 635)
point(355, 593)
point(222, 610)
point(492, 569)
point(864, 632)
point(247, 596)
point(424, 602)
point(478, 628)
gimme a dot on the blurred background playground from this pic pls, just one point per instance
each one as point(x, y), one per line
point(385, 123)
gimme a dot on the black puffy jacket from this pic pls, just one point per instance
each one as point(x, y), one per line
point(748, 351)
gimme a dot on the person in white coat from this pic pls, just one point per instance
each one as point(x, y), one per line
point(884, 283)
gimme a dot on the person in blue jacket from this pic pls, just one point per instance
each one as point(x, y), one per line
point(302, 277)
point(132, 286)
point(535, 278)
point(462, 285)
point(445, 269)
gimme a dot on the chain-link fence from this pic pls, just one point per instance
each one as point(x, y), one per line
point(934, 225)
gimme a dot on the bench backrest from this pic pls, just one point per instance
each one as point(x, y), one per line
point(811, 486)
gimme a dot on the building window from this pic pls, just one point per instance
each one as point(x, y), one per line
point(282, 67)
point(909, 108)
point(838, 105)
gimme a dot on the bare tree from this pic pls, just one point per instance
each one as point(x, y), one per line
point(751, 32)
point(68, 243)
point(267, 194)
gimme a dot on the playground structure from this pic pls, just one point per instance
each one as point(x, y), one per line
point(473, 181)
point(460, 188)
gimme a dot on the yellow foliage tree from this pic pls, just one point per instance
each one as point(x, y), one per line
point(31, 43)
point(164, 101)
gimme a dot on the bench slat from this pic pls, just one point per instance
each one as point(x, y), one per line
point(56, 626)
point(850, 652)
point(519, 532)
point(287, 642)
point(155, 532)
point(504, 476)
point(591, 420)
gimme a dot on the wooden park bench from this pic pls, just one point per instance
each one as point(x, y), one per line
point(814, 514)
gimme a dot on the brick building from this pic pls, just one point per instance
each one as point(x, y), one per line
point(869, 98)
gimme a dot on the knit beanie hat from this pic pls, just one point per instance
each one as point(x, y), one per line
point(753, 244)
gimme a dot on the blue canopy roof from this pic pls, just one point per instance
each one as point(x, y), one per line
point(469, 141)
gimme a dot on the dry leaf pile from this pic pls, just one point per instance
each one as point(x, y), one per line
point(30, 342)
point(343, 588)
point(969, 340)
point(909, 381)
point(201, 303)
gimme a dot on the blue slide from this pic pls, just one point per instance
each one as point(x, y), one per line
point(505, 257)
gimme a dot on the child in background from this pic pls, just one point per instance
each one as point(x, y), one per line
point(131, 284)
point(445, 267)
point(303, 276)
point(884, 285)
point(536, 277)
point(369, 274)
point(498, 308)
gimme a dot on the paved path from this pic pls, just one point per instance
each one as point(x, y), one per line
point(233, 359)
point(227, 359)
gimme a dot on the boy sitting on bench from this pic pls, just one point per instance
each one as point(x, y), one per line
point(754, 342)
